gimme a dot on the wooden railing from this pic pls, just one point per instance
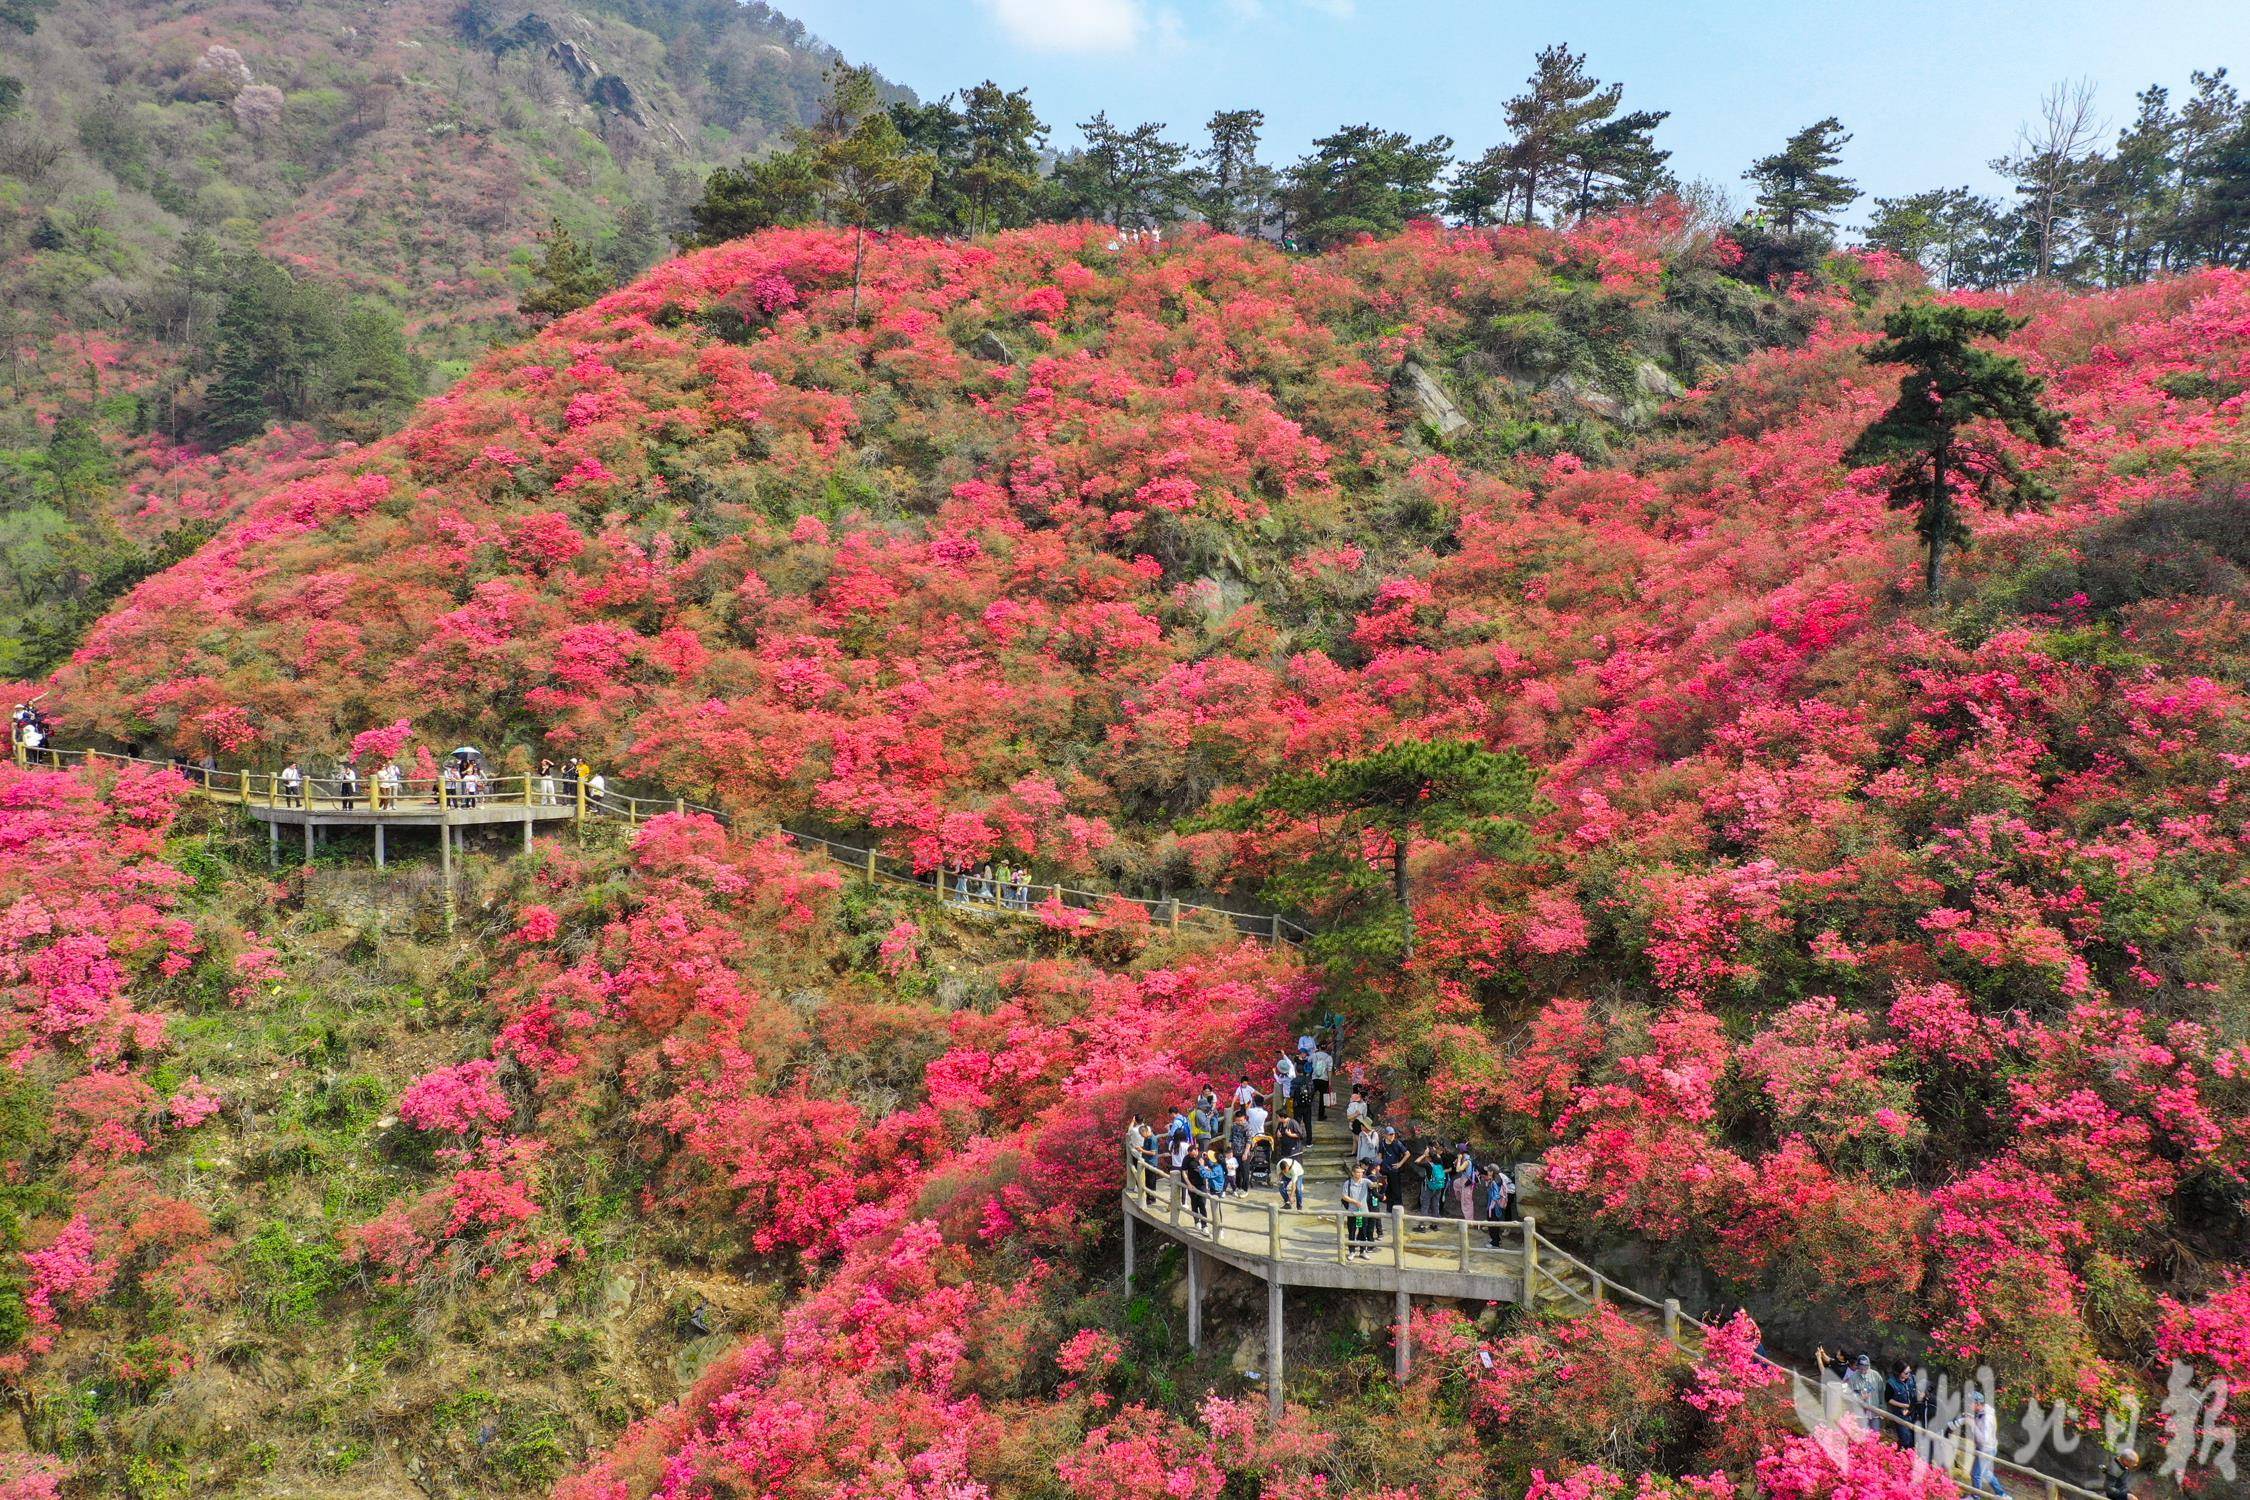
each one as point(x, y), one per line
point(421, 796)
point(1282, 1232)
point(1537, 1260)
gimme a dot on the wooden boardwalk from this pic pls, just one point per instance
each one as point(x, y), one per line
point(532, 802)
point(1448, 1258)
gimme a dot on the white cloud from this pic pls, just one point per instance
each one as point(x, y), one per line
point(1259, 10)
point(1071, 25)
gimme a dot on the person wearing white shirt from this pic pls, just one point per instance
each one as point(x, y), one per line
point(1255, 1117)
point(1284, 1075)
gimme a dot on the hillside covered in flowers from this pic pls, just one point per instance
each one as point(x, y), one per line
point(1875, 965)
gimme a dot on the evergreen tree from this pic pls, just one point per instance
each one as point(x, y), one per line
point(1128, 179)
point(2129, 199)
point(288, 350)
point(78, 465)
point(11, 95)
point(565, 278)
point(1552, 120)
point(633, 244)
point(1481, 190)
point(1949, 232)
point(2214, 187)
point(1428, 791)
point(1001, 137)
point(1798, 187)
point(754, 195)
point(1236, 187)
point(1364, 181)
point(1616, 164)
point(852, 166)
point(1938, 434)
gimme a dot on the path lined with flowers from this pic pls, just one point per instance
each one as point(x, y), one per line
point(424, 803)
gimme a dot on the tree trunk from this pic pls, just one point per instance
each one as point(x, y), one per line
point(1941, 515)
point(859, 259)
point(1398, 888)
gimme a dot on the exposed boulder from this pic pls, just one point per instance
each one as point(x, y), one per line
point(1430, 400)
point(613, 93)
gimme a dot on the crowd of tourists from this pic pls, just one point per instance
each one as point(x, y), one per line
point(1009, 885)
point(1899, 1400)
point(463, 780)
point(1232, 1142)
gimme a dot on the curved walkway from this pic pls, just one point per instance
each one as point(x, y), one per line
point(1415, 1255)
point(529, 800)
point(1440, 1257)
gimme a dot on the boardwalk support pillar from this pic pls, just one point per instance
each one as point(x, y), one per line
point(1402, 1352)
point(527, 835)
point(1273, 1342)
point(273, 845)
point(308, 841)
point(1129, 1247)
point(445, 870)
point(1195, 1297)
point(378, 846)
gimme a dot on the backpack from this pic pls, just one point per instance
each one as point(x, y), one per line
point(1437, 1177)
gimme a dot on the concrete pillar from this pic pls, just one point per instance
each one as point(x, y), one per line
point(445, 856)
point(378, 846)
point(527, 835)
point(1128, 1242)
point(308, 839)
point(1273, 1343)
point(1195, 1298)
point(273, 845)
point(1530, 1261)
point(1402, 1356)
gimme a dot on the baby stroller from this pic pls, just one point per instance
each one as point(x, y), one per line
point(1257, 1162)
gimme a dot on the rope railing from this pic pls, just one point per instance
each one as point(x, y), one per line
point(419, 796)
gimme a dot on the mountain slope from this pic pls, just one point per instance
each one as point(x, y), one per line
point(1876, 964)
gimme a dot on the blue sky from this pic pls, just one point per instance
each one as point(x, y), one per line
point(1930, 90)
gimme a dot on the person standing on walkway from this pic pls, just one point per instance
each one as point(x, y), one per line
point(1428, 1170)
point(292, 785)
point(347, 786)
point(1899, 1401)
point(1355, 1113)
point(1323, 1068)
point(1367, 1146)
point(1288, 1138)
point(1393, 1161)
point(1358, 1196)
point(1984, 1441)
point(389, 783)
point(1284, 1075)
point(1499, 1201)
point(547, 780)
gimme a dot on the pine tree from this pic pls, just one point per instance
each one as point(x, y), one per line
point(1236, 186)
point(1128, 179)
point(1797, 186)
point(1001, 137)
point(1428, 791)
point(565, 278)
point(1551, 119)
point(1937, 434)
point(1364, 181)
point(1617, 164)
